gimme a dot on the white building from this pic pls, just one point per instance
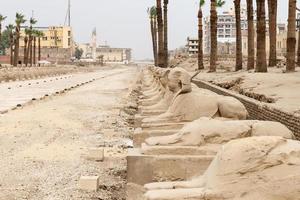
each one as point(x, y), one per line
point(226, 27)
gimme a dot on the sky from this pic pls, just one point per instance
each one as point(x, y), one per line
point(119, 23)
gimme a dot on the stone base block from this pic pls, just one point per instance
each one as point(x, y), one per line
point(89, 183)
point(142, 169)
point(163, 126)
point(209, 150)
point(135, 192)
point(139, 135)
point(96, 154)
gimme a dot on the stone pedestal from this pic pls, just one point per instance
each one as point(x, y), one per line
point(142, 169)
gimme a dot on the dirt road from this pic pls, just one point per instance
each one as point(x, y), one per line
point(42, 146)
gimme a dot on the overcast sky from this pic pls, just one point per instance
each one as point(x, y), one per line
point(120, 23)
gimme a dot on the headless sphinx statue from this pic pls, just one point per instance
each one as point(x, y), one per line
point(189, 105)
point(214, 131)
point(262, 168)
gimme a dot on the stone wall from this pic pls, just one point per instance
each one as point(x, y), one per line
point(258, 110)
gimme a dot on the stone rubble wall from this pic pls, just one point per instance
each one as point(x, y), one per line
point(258, 110)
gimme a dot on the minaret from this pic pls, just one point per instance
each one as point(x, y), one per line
point(94, 44)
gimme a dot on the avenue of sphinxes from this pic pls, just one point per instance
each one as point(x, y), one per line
point(191, 143)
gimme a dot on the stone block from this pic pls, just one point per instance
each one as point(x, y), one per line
point(139, 135)
point(142, 169)
point(89, 183)
point(96, 154)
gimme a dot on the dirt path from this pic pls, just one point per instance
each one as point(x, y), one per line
point(42, 145)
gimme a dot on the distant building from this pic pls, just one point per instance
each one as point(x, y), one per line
point(54, 37)
point(114, 55)
point(94, 45)
point(226, 27)
point(57, 44)
point(226, 35)
point(192, 46)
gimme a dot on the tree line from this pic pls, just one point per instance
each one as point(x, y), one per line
point(159, 32)
point(10, 39)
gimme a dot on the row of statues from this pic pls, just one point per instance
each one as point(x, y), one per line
point(255, 159)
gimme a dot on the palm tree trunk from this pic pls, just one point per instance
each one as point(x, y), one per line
point(39, 51)
point(250, 62)
point(11, 41)
point(160, 34)
point(298, 51)
point(25, 50)
point(34, 51)
point(153, 40)
point(291, 37)
point(30, 51)
point(17, 45)
point(0, 32)
point(213, 35)
point(200, 39)
point(166, 50)
point(272, 6)
point(239, 54)
point(261, 61)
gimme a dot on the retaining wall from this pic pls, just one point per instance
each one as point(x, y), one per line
point(258, 110)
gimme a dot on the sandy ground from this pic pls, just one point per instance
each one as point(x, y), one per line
point(25, 73)
point(276, 88)
point(282, 88)
point(42, 146)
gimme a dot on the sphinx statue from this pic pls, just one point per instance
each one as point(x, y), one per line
point(188, 104)
point(156, 91)
point(264, 168)
point(165, 101)
point(214, 131)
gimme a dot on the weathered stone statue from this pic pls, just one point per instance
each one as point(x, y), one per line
point(189, 105)
point(214, 131)
point(264, 168)
point(153, 90)
point(165, 101)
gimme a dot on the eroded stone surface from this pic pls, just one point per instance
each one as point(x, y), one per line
point(257, 167)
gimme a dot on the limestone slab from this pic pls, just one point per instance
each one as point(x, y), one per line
point(89, 183)
point(142, 169)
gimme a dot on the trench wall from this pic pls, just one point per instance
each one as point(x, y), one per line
point(258, 110)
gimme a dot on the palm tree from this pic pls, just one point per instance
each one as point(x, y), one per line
point(200, 36)
point(2, 18)
point(261, 61)
point(166, 51)
point(155, 35)
point(250, 62)
point(34, 47)
point(272, 7)
point(39, 35)
point(25, 46)
point(32, 22)
point(291, 37)
point(213, 33)
point(19, 21)
point(239, 53)
point(298, 50)
point(152, 17)
point(160, 34)
point(10, 29)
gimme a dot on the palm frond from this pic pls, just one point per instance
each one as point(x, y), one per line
point(201, 3)
point(220, 3)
